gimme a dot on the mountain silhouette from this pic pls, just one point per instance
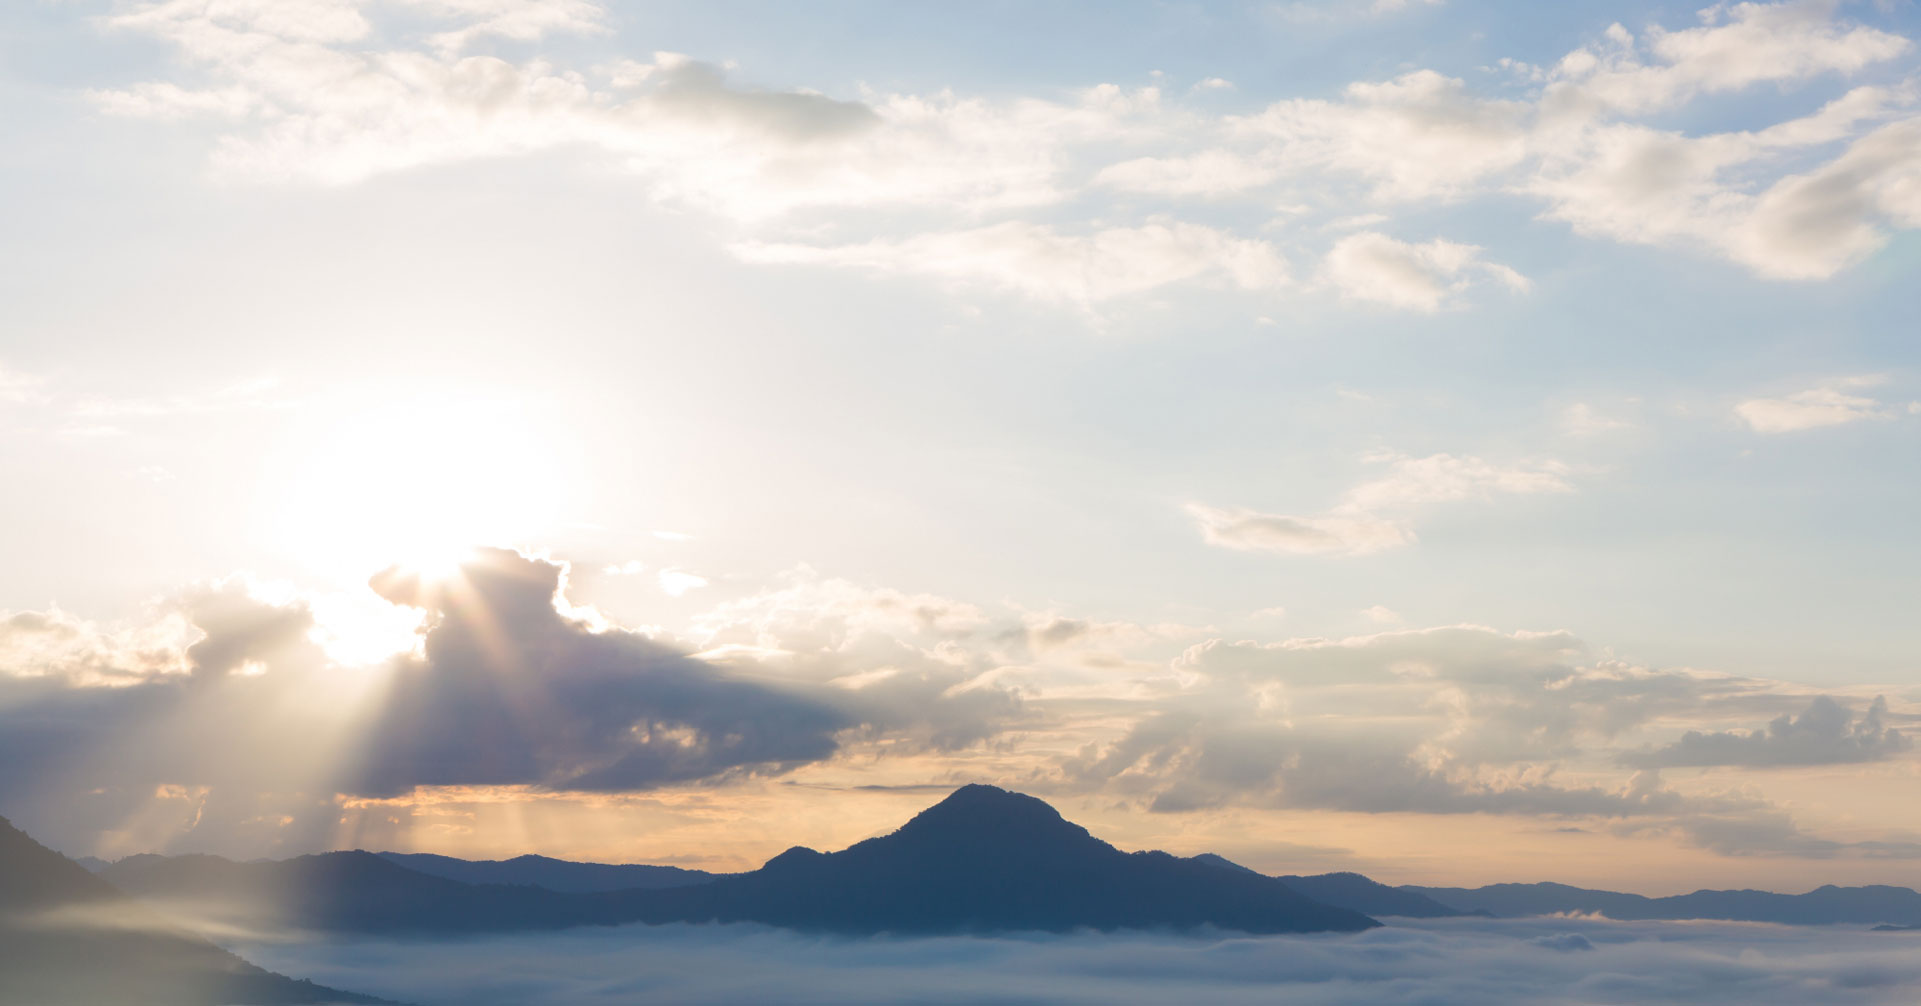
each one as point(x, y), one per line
point(1352, 891)
point(986, 860)
point(68, 937)
point(552, 874)
point(1828, 905)
point(982, 860)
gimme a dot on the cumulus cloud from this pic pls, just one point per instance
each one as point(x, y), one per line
point(1826, 733)
point(1835, 403)
point(1354, 527)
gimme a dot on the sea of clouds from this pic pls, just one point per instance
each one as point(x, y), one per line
point(1483, 961)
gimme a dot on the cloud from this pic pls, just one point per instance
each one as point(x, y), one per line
point(516, 20)
point(225, 724)
point(1649, 186)
point(1353, 527)
point(1418, 136)
point(678, 581)
point(337, 91)
point(1584, 420)
point(1043, 263)
point(1830, 404)
point(918, 669)
point(1329, 534)
point(1444, 478)
point(1825, 734)
point(1419, 277)
point(512, 691)
point(1735, 47)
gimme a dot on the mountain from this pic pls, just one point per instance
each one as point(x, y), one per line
point(552, 874)
point(1351, 891)
point(68, 937)
point(982, 860)
point(986, 860)
point(1827, 905)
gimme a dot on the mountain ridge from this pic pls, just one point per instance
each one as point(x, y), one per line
point(1828, 904)
point(981, 860)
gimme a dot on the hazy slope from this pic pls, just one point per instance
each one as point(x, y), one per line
point(68, 937)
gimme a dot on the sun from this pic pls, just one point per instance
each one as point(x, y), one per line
point(419, 479)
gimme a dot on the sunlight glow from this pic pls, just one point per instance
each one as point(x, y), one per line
point(418, 478)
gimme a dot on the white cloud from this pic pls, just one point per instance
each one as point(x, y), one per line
point(337, 91)
point(1421, 277)
point(1831, 404)
point(1442, 478)
point(1209, 173)
point(1583, 420)
point(1736, 46)
point(678, 581)
point(1418, 136)
point(1327, 534)
point(1048, 265)
point(1638, 184)
point(1355, 526)
point(516, 20)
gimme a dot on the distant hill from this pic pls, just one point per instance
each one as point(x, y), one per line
point(68, 937)
point(1828, 905)
point(355, 892)
point(552, 874)
point(1352, 891)
point(982, 860)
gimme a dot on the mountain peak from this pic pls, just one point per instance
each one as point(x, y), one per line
point(978, 808)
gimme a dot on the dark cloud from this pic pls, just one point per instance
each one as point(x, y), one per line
point(1826, 733)
point(245, 753)
point(512, 691)
point(236, 628)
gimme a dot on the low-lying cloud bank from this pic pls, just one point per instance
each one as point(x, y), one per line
point(1480, 961)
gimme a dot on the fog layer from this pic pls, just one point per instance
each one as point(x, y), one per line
point(1560, 960)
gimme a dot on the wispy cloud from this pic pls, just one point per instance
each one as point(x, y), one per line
point(1834, 403)
point(1355, 525)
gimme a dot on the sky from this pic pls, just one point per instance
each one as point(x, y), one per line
point(1460, 442)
